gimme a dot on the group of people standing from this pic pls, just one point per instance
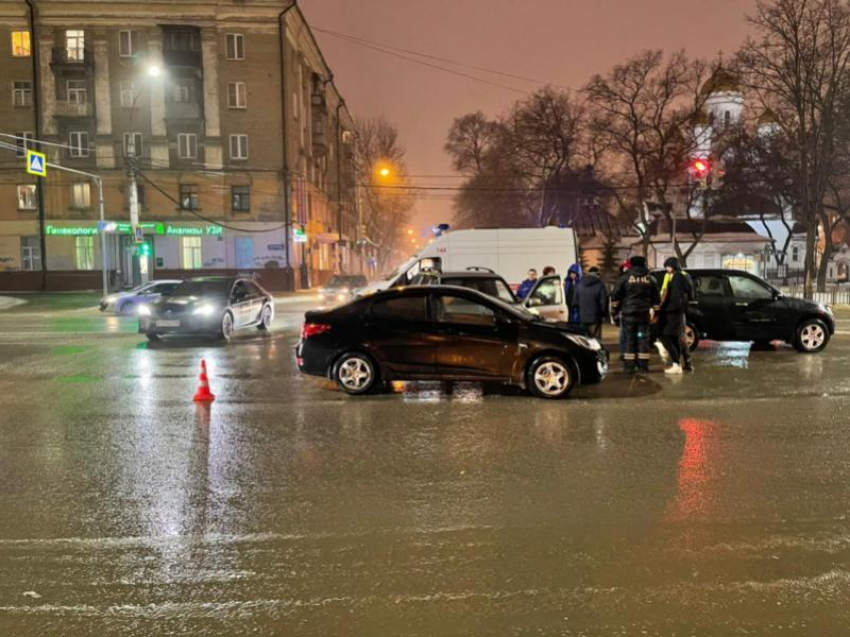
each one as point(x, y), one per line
point(637, 304)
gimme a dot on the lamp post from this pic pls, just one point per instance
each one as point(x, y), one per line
point(153, 72)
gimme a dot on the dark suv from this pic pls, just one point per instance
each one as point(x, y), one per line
point(733, 305)
point(481, 279)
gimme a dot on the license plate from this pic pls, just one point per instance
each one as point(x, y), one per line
point(168, 323)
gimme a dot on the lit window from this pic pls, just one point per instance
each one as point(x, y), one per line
point(77, 91)
point(187, 145)
point(238, 147)
point(79, 143)
point(75, 45)
point(26, 197)
point(235, 46)
point(22, 93)
point(189, 197)
point(80, 195)
point(134, 140)
point(125, 43)
point(21, 44)
point(127, 94)
point(237, 95)
point(240, 198)
point(191, 253)
point(84, 252)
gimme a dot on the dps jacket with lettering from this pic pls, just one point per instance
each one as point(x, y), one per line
point(636, 293)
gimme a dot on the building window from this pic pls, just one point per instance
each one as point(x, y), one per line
point(30, 254)
point(296, 104)
point(181, 41)
point(75, 45)
point(84, 252)
point(235, 46)
point(189, 197)
point(191, 253)
point(181, 93)
point(132, 144)
point(237, 95)
point(26, 197)
point(79, 143)
point(22, 93)
point(238, 147)
point(187, 145)
point(23, 142)
point(126, 43)
point(240, 198)
point(795, 254)
point(76, 91)
point(21, 44)
point(80, 195)
point(127, 94)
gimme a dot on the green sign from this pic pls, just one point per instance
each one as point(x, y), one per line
point(148, 228)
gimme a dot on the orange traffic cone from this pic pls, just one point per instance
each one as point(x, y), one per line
point(203, 395)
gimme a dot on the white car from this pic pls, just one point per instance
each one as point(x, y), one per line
point(128, 302)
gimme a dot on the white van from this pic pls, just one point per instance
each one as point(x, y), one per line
point(509, 252)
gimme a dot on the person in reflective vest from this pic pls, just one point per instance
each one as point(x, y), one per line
point(636, 300)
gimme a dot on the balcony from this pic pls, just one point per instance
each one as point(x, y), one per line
point(61, 59)
point(73, 109)
point(183, 110)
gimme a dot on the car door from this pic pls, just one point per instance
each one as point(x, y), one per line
point(714, 306)
point(240, 304)
point(255, 307)
point(475, 339)
point(753, 316)
point(546, 298)
point(399, 332)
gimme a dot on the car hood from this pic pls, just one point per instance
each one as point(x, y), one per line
point(561, 326)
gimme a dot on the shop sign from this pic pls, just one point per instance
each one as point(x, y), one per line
point(275, 247)
point(126, 228)
point(299, 236)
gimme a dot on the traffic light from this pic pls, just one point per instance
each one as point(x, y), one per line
point(700, 169)
point(145, 249)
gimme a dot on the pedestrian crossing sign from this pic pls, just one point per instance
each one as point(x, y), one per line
point(36, 163)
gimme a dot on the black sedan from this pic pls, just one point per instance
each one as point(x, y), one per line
point(733, 305)
point(446, 333)
point(214, 306)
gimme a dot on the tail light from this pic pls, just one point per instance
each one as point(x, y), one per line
point(314, 329)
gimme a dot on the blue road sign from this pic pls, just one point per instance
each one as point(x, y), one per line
point(36, 163)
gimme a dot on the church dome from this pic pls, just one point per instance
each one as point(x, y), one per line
point(721, 81)
point(767, 118)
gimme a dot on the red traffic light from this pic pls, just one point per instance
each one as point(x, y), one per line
point(700, 167)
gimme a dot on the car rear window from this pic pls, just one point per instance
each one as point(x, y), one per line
point(404, 308)
point(709, 285)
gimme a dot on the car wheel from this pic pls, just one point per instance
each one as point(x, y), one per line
point(550, 377)
point(227, 326)
point(266, 318)
point(812, 336)
point(691, 336)
point(355, 373)
point(152, 337)
point(125, 308)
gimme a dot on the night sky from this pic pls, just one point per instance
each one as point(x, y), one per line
point(562, 42)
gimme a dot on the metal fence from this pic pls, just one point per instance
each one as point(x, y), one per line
point(833, 295)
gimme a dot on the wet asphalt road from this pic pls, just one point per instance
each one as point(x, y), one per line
point(713, 504)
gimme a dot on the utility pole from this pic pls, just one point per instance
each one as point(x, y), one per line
point(132, 183)
point(35, 56)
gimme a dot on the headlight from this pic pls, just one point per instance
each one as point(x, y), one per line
point(825, 309)
point(341, 296)
point(588, 343)
point(144, 310)
point(204, 310)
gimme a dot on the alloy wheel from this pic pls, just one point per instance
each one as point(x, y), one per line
point(812, 337)
point(355, 374)
point(552, 378)
point(227, 326)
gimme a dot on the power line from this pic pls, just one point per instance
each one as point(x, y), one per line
point(514, 76)
point(433, 66)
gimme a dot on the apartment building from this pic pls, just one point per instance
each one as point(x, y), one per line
point(225, 111)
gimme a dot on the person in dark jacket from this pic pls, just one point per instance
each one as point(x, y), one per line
point(591, 300)
point(570, 285)
point(636, 300)
point(624, 267)
point(525, 286)
point(676, 292)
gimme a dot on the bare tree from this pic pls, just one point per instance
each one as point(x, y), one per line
point(386, 201)
point(644, 113)
point(797, 65)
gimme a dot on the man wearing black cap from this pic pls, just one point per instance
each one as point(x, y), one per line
point(676, 292)
point(636, 299)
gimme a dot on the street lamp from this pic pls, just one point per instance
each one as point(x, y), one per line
point(384, 172)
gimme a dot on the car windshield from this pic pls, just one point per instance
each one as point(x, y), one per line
point(203, 288)
point(515, 309)
point(338, 281)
